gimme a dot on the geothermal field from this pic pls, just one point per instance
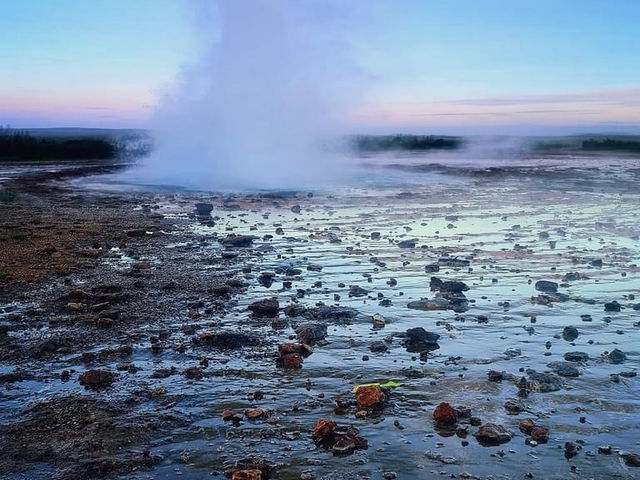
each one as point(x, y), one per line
point(432, 321)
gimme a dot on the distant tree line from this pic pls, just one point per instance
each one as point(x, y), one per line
point(379, 143)
point(17, 145)
point(609, 144)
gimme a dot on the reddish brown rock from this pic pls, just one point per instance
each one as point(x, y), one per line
point(540, 434)
point(269, 307)
point(526, 425)
point(247, 475)
point(444, 414)
point(369, 397)
point(254, 413)
point(292, 360)
point(323, 430)
point(227, 415)
point(96, 379)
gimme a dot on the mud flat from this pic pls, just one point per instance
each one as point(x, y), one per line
point(492, 318)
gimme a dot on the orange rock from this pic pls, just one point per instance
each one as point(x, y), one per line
point(292, 360)
point(287, 348)
point(254, 413)
point(247, 475)
point(526, 425)
point(227, 415)
point(369, 397)
point(323, 430)
point(444, 414)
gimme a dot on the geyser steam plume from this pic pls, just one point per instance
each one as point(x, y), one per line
point(272, 85)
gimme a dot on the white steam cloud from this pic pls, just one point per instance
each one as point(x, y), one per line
point(273, 84)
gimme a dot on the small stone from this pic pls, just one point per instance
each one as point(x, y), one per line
point(254, 413)
point(444, 414)
point(570, 333)
point(546, 286)
point(540, 434)
point(526, 425)
point(247, 475)
point(612, 307)
point(369, 397)
point(269, 307)
point(96, 379)
point(491, 434)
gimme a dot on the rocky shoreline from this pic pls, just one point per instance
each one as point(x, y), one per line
point(386, 335)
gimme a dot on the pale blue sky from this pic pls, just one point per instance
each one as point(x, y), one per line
point(432, 63)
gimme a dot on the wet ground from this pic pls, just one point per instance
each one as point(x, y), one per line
point(156, 300)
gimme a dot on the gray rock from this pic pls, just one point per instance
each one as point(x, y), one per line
point(546, 286)
point(564, 369)
point(491, 434)
point(576, 356)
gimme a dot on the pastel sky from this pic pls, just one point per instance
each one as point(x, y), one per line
point(434, 65)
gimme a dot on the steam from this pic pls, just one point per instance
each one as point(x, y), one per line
point(272, 86)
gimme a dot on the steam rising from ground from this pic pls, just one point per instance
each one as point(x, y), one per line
point(272, 85)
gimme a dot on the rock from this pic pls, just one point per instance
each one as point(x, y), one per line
point(444, 414)
point(570, 449)
point(357, 291)
point(419, 334)
point(437, 303)
point(296, 209)
point(375, 235)
point(453, 287)
point(254, 413)
point(203, 209)
point(453, 262)
point(228, 340)
point(616, 356)
point(419, 340)
point(329, 313)
point(631, 459)
point(612, 307)
point(407, 243)
point(513, 407)
point(495, 376)
point(526, 425)
point(96, 379)
point(576, 356)
point(491, 434)
point(378, 321)
point(378, 347)
point(311, 332)
point(543, 382)
point(370, 397)
point(540, 434)
point(287, 348)
point(253, 463)
point(193, 373)
point(570, 333)
point(292, 360)
point(268, 307)
point(546, 286)
point(605, 449)
point(227, 415)
point(247, 475)
point(564, 369)
point(343, 446)
point(238, 241)
point(324, 430)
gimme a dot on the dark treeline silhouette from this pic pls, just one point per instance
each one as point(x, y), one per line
point(16, 145)
point(609, 144)
point(379, 143)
